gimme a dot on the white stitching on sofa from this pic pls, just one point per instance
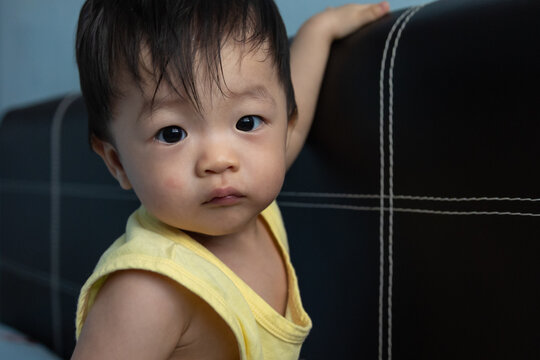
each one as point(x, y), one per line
point(327, 206)
point(382, 176)
point(328, 195)
point(401, 197)
point(465, 199)
point(391, 175)
point(79, 190)
point(445, 212)
point(113, 192)
point(402, 210)
point(38, 276)
point(56, 130)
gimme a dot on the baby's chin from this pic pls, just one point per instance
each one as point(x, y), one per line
point(216, 226)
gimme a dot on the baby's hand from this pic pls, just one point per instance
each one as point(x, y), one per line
point(338, 22)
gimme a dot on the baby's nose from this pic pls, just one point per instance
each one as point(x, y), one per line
point(217, 160)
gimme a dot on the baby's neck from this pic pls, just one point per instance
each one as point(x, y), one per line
point(244, 240)
point(256, 258)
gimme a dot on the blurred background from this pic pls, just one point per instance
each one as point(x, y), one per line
point(37, 60)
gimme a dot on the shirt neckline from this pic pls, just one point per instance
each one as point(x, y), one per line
point(292, 330)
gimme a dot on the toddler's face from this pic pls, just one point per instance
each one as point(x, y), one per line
point(211, 172)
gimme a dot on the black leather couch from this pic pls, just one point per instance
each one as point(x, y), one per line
point(413, 212)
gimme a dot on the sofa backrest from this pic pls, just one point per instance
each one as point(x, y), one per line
point(414, 210)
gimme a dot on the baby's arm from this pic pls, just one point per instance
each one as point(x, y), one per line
point(137, 315)
point(309, 53)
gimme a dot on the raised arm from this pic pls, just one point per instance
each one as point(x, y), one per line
point(309, 54)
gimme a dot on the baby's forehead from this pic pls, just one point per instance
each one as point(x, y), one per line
point(243, 70)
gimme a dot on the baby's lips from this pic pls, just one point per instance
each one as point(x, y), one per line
point(228, 192)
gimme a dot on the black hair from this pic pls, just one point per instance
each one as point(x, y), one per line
point(177, 33)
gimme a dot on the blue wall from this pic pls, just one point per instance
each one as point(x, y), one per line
point(37, 39)
point(36, 50)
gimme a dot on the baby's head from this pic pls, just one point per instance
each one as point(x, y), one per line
point(188, 104)
point(179, 38)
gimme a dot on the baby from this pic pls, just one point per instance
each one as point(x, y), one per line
point(191, 105)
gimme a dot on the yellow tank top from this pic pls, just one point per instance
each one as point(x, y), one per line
point(148, 244)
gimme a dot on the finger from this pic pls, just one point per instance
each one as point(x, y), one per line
point(372, 12)
point(351, 17)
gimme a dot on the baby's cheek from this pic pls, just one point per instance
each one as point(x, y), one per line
point(172, 183)
point(273, 178)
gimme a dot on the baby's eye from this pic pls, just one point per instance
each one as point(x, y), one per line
point(171, 134)
point(249, 123)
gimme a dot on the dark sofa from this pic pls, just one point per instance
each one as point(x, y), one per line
point(413, 212)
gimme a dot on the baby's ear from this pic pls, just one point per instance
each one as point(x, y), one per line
point(109, 154)
point(291, 125)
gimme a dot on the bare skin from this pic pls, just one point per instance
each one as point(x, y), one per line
point(140, 315)
point(163, 320)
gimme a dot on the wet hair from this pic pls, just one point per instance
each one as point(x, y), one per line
point(180, 36)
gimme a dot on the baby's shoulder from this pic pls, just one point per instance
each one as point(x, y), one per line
point(147, 315)
point(136, 315)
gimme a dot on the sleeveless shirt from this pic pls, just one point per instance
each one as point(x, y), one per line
point(148, 244)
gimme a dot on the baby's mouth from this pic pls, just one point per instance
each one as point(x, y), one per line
point(224, 196)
